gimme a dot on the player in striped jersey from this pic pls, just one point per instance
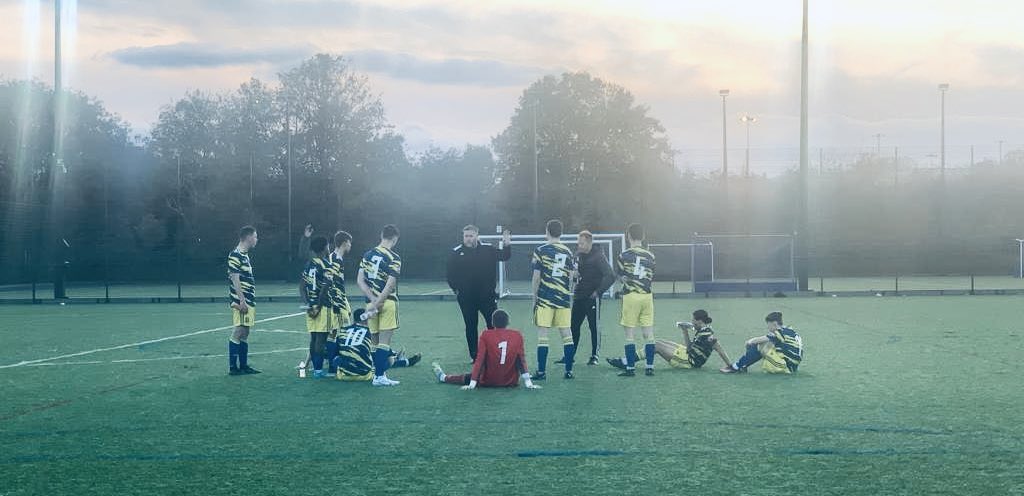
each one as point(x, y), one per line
point(242, 293)
point(553, 273)
point(315, 292)
point(378, 279)
point(635, 268)
point(341, 315)
point(782, 349)
point(692, 354)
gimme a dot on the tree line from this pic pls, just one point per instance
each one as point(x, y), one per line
point(576, 147)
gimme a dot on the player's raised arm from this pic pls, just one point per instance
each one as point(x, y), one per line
point(505, 253)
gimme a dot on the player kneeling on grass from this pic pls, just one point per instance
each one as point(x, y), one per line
point(500, 359)
point(781, 349)
point(694, 353)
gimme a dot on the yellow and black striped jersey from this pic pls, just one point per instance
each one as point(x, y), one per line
point(790, 344)
point(354, 354)
point(338, 297)
point(701, 347)
point(378, 264)
point(636, 267)
point(314, 277)
point(556, 264)
point(238, 263)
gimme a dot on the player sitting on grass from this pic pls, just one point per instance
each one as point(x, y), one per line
point(781, 349)
point(691, 355)
point(354, 361)
point(500, 359)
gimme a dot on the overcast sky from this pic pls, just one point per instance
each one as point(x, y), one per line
point(450, 72)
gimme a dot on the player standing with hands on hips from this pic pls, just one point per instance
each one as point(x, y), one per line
point(472, 274)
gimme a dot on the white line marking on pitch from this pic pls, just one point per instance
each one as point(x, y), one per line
point(136, 360)
point(437, 292)
point(140, 343)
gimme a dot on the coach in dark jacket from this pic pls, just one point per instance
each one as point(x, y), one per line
point(472, 274)
point(595, 276)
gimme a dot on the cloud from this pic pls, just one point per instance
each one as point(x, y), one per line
point(453, 71)
point(198, 55)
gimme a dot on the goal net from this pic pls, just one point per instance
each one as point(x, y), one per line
point(515, 276)
point(744, 262)
point(680, 265)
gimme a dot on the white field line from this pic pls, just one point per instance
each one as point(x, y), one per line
point(136, 360)
point(437, 292)
point(140, 343)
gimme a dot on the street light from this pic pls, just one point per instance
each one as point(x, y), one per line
point(725, 153)
point(748, 120)
point(942, 153)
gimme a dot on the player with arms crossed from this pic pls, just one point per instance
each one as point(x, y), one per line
point(242, 292)
point(782, 349)
point(378, 279)
point(553, 272)
point(635, 268)
point(500, 359)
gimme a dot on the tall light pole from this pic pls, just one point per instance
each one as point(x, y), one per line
point(747, 120)
point(536, 166)
point(942, 153)
point(802, 269)
point(725, 149)
point(1000, 142)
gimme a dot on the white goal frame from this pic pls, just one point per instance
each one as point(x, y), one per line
point(605, 239)
point(693, 257)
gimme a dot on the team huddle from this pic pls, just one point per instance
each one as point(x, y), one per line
point(356, 345)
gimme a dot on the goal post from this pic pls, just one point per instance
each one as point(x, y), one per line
point(682, 263)
point(515, 276)
point(746, 263)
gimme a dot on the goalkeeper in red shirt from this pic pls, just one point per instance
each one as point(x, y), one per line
point(500, 359)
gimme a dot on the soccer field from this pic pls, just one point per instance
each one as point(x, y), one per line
point(902, 395)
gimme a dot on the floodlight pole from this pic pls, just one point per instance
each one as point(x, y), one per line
point(57, 166)
point(942, 139)
point(747, 120)
point(725, 148)
point(1000, 142)
point(536, 167)
point(802, 223)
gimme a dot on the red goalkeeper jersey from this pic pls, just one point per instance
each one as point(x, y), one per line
point(500, 358)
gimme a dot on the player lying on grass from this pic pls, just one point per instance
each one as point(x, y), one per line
point(781, 349)
point(691, 355)
point(354, 361)
point(500, 359)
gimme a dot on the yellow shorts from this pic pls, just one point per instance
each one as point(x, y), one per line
point(320, 323)
point(341, 376)
point(552, 317)
point(340, 319)
point(386, 318)
point(248, 319)
point(772, 361)
point(680, 360)
point(637, 310)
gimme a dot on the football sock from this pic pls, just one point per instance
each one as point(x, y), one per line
point(243, 354)
point(232, 354)
point(542, 354)
point(630, 354)
point(380, 359)
point(332, 351)
point(649, 352)
point(569, 350)
point(400, 363)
